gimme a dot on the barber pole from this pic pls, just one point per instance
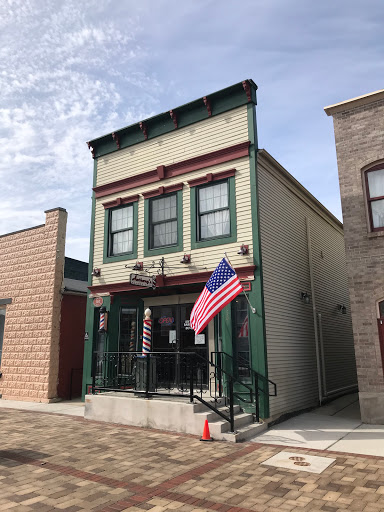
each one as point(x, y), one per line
point(102, 319)
point(147, 332)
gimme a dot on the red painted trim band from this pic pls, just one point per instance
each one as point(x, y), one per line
point(163, 190)
point(163, 172)
point(212, 177)
point(178, 280)
point(120, 201)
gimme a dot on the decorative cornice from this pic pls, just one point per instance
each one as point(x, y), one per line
point(212, 177)
point(92, 149)
point(115, 137)
point(120, 201)
point(163, 190)
point(192, 164)
point(173, 115)
point(144, 129)
point(245, 273)
point(248, 90)
point(207, 103)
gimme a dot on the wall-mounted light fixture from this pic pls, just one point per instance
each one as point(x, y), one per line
point(96, 272)
point(244, 249)
point(186, 259)
point(305, 297)
point(138, 265)
point(342, 309)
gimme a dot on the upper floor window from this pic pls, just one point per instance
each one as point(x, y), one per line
point(121, 231)
point(375, 196)
point(213, 211)
point(163, 222)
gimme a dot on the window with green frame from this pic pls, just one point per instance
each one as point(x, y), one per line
point(163, 221)
point(120, 233)
point(213, 213)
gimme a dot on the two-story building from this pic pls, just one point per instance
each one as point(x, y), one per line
point(174, 193)
point(359, 136)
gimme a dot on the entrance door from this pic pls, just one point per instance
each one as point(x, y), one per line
point(171, 332)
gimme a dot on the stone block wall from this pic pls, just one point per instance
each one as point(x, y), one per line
point(359, 134)
point(31, 275)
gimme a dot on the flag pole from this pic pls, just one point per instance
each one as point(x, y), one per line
point(245, 295)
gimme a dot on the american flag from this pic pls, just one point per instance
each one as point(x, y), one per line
point(222, 287)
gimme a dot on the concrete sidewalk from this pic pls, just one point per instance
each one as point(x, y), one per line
point(70, 407)
point(334, 427)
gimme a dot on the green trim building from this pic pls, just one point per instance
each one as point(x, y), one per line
point(173, 194)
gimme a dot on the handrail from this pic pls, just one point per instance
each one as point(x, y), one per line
point(255, 373)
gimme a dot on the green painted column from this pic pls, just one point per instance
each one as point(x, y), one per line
point(256, 296)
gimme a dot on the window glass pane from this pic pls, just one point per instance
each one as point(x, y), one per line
point(128, 330)
point(2, 323)
point(164, 208)
point(122, 218)
point(165, 234)
point(381, 309)
point(377, 208)
point(240, 307)
point(213, 197)
point(376, 183)
point(215, 224)
point(122, 242)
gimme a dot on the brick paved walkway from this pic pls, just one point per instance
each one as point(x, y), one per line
point(51, 462)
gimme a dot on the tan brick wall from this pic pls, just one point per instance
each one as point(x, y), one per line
point(31, 274)
point(359, 134)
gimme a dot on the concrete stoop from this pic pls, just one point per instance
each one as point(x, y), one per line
point(169, 414)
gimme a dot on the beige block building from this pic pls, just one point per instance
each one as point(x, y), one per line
point(32, 288)
point(359, 136)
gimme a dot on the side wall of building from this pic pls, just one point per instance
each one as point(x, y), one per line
point(302, 251)
point(31, 275)
point(359, 134)
point(73, 309)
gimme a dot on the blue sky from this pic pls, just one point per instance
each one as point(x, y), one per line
point(71, 71)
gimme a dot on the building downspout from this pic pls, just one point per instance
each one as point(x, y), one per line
point(315, 325)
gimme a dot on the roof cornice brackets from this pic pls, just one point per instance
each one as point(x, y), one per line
point(173, 115)
point(248, 90)
point(115, 137)
point(92, 149)
point(207, 103)
point(144, 129)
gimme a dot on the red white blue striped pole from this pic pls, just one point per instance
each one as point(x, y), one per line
point(102, 319)
point(147, 332)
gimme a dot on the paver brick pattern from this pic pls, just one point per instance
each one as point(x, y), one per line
point(52, 462)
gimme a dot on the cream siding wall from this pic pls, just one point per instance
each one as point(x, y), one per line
point(203, 137)
point(222, 131)
point(290, 329)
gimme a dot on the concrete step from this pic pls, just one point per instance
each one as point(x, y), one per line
point(221, 426)
point(199, 407)
point(244, 433)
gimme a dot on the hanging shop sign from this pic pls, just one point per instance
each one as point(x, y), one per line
point(166, 320)
point(98, 302)
point(145, 281)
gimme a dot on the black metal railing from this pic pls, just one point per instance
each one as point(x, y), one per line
point(245, 374)
point(180, 374)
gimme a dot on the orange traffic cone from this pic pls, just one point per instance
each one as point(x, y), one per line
point(206, 434)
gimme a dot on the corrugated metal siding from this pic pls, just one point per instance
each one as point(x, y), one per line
point(201, 137)
point(291, 345)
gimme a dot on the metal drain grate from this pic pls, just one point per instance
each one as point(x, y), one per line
point(298, 462)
